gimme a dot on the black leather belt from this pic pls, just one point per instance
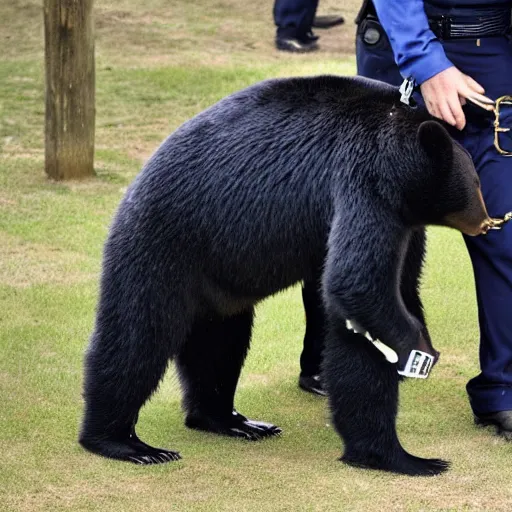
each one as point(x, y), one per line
point(489, 23)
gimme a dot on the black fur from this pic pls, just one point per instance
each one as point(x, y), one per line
point(249, 197)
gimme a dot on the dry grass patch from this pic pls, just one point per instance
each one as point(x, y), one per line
point(217, 33)
point(25, 264)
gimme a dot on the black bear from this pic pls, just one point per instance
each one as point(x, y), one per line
point(279, 183)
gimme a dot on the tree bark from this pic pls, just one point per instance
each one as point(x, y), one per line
point(70, 110)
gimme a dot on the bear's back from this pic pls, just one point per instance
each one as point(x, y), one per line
point(335, 98)
point(278, 129)
point(260, 165)
point(322, 89)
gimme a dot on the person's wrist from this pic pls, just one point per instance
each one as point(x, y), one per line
point(423, 67)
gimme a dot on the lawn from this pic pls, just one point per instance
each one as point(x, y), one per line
point(158, 63)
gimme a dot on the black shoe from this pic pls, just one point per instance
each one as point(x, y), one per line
point(312, 384)
point(328, 21)
point(502, 420)
point(291, 44)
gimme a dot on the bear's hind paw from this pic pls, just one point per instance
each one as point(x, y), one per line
point(404, 464)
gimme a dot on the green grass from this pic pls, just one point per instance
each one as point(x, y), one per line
point(158, 63)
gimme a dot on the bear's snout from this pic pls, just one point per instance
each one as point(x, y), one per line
point(473, 220)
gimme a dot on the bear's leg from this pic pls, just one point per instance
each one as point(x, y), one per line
point(127, 357)
point(410, 282)
point(411, 274)
point(209, 367)
point(363, 395)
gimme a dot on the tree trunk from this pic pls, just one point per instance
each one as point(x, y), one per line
point(70, 111)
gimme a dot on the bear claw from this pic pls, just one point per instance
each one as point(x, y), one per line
point(161, 458)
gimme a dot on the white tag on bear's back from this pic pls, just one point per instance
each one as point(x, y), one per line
point(406, 90)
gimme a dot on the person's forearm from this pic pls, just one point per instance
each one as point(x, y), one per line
point(418, 53)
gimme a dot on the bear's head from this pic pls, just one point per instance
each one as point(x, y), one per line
point(452, 196)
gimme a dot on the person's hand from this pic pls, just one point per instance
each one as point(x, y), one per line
point(446, 92)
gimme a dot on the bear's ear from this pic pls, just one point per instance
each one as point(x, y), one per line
point(435, 140)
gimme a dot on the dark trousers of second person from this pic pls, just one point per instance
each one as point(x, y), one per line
point(294, 18)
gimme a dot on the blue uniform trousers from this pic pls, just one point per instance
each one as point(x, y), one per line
point(294, 18)
point(490, 64)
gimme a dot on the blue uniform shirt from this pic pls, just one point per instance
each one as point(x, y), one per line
point(418, 53)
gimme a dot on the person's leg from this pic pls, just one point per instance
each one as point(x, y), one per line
point(491, 255)
point(313, 6)
point(294, 19)
point(311, 356)
point(491, 391)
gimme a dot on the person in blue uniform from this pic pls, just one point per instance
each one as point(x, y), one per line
point(454, 50)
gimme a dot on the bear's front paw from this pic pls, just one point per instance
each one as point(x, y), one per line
point(128, 448)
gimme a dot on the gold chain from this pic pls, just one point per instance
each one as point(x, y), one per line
point(498, 223)
point(506, 100)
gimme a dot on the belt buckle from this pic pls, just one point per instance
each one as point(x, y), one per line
point(444, 26)
point(503, 100)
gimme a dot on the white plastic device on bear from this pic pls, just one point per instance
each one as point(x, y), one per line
point(418, 364)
